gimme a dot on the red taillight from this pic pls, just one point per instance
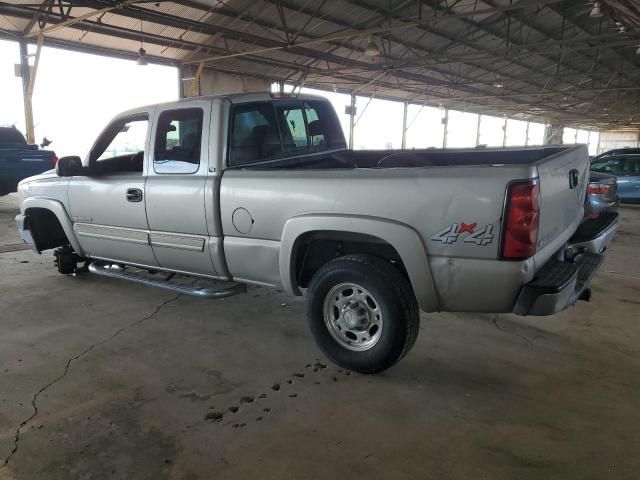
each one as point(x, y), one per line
point(598, 188)
point(521, 220)
point(54, 161)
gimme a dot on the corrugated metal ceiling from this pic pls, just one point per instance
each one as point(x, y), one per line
point(545, 59)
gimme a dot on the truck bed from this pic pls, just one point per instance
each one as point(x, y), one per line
point(414, 158)
point(451, 157)
point(453, 188)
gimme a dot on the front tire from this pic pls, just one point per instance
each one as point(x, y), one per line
point(362, 313)
point(66, 260)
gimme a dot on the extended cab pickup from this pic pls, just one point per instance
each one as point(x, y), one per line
point(19, 160)
point(252, 189)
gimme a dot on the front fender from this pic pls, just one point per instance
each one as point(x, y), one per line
point(57, 208)
point(403, 238)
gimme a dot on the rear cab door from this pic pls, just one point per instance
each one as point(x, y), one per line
point(180, 192)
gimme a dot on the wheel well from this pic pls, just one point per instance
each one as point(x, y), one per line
point(314, 249)
point(46, 229)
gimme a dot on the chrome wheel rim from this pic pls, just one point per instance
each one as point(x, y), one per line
point(353, 316)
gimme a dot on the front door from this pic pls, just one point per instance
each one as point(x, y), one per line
point(108, 207)
point(176, 198)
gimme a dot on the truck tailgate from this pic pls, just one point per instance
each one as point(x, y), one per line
point(563, 184)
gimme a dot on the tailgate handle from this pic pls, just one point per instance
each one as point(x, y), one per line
point(574, 178)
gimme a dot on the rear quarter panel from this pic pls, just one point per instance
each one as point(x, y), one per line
point(255, 205)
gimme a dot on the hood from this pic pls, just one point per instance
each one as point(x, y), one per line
point(48, 174)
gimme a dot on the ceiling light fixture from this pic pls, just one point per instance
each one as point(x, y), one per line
point(638, 50)
point(142, 60)
point(498, 83)
point(596, 11)
point(372, 49)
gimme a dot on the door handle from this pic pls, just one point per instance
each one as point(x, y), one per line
point(134, 195)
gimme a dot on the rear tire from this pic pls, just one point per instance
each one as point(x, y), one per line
point(362, 313)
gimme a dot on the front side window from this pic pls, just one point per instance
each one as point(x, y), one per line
point(120, 148)
point(178, 140)
point(129, 139)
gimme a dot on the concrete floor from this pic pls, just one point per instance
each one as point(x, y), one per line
point(104, 379)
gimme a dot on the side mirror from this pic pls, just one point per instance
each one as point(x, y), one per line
point(45, 142)
point(69, 167)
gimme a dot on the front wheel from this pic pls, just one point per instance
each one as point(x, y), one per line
point(362, 313)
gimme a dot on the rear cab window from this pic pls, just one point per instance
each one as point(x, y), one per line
point(178, 141)
point(270, 130)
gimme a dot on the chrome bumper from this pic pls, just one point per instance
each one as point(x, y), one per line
point(559, 284)
point(25, 233)
point(596, 239)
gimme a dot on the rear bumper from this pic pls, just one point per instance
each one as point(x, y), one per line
point(25, 233)
point(601, 204)
point(559, 284)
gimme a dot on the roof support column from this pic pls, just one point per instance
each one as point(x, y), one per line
point(553, 134)
point(25, 73)
point(404, 125)
point(445, 122)
point(352, 118)
point(179, 67)
point(28, 75)
point(504, 132)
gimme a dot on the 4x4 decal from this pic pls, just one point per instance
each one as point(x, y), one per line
point(455, 231)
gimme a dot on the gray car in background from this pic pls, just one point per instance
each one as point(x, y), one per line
point(625, 165)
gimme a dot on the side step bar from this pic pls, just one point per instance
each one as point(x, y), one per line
point(218, 290)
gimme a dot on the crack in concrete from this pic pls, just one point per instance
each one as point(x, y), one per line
point(34, 399)
point(509, 332)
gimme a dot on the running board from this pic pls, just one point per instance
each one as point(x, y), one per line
point(218, 290)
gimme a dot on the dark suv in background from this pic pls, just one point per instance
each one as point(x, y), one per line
point(19, 160)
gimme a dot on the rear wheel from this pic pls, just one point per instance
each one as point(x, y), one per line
point(362, 313)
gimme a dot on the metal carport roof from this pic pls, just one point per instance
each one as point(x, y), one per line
point(549, 59)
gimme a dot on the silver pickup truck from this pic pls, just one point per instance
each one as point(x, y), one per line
point(253, 189)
